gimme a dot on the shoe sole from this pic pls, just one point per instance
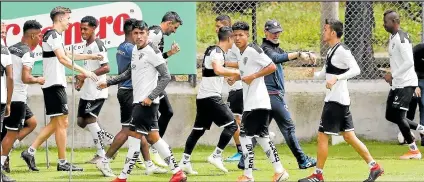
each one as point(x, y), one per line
point(414, 157)
point(69, 170)
point(223, 170)
point(283, 177)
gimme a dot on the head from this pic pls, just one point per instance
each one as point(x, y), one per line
point(88, 27)
point(333, 29)
point(222, 21)
point(140, 33)
point(240, 34)
point(171, 21)
point(3, 30)
point(272, 31)
point(225, 36)
point(128, 27)
point(391, 21)
point(61, 15)
point(32, 32)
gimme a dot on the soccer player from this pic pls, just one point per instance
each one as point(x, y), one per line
point(147, 64)
point(254, 65)
point(403, 81)
point(6, 86)
point(169, 25)
point(210, 106)
point(336, 118)
point(55, 59)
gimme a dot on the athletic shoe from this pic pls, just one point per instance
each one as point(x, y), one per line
point(5, 178)
point(105, 168)
point(119, 180)
point(375, 172)
point(244, 178)
point(67, 167)
point(187, 168)
point(178, 177)
point(416, 154)
point(309, 162)
point(235, 157)
point(30, 160)
point(6, 166)
point(313, 178)
point(217, 162)
point(139, 163)
point(155, 170)
point(94, 159)
point(278, 177)
point(154, 155)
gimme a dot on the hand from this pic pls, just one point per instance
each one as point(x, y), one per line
point(78, 83)
point(418, 92)
point(311, 72)
point(146, 102)
point(175, 48)
point(248, 79)
point(388, 77)
point(308, 58)
point(7, 112)
point(101, 84)
point(331, 82)
point(92, 76)
point(41, 80)
point(231, 81)
point(80, 77)
point(96, 57)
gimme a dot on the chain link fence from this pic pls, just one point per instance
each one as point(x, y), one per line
point(303, 26)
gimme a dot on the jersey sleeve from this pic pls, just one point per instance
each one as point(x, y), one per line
point(55, 42)
point(6, 57)
point(262, 59)
point(215, 57)
point(157, 59)
point(351, 63)
point(155, 38)
point(28, 59)
point(405, 51)
point(233, 55)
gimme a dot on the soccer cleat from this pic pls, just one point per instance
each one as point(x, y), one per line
point(154, 155)
point(187, 168)
point(119, 180)
point(6, 166)
point(5, 178)
point(416, 154)
point(105, 168)
point(244, 178)
point(178, 177)
point(313, 178)
point(30, 160)
point(67, 167)
point(139, 163)
point(155, 170)
point(309, 162)
point(375, 172)
point(235, 157)
point(278, 177)
point(94, 159)
point(217, 162)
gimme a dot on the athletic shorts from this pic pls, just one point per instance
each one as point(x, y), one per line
point(28, 112)
point(255, 123)
point(335, 118)
point(400, 98)
point(2, 112)
point(144, 118)
point(235, 101)
point(125, 98)
point(212, 109)
point(16, 120)
point(87, 108)
point(55, 100)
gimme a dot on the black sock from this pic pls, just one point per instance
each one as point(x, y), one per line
point(239, 149)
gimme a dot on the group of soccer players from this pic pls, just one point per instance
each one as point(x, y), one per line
point(254, 74)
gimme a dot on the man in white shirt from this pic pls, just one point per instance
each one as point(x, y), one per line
point(403, 81)
point(254, 65)
point(336, 117)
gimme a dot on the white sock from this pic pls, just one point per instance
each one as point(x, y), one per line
point(62, 161)
point(318, 171)
point(3, 159)
point(413, 146)
point(132, 156)
point(217, 153)
point(372, 164)
point(247, 148)
point(32, 151)
point(271, 152)
point(149, 163)
point(186, 158)
point(107, 136)
point(153, 150)
point(96, 133)
point(165, 152)
point(420, 128)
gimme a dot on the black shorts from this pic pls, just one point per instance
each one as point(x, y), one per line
point(212, 109)
point(399, 98)
point(28, 112)
point(55, 100)
point(335, 118)
point(125, 98)
point(3, 110)
point(255, 123)
point(235, 101)
point(144, 118)
point(16, 120)
point(87, 108)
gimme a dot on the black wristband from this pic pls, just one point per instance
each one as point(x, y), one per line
point(165, 55)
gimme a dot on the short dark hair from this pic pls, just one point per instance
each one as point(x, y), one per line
point(396, 17)
point(224, 33)
point(336, 26)
point(32, 25)
point(240, 25)
point(172, 16)
point(128, 25)
point(140, 24)
point(223, 18)
point(59, 10)
point(92, 22)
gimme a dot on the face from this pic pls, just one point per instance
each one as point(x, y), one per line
point(240, 38)
point(140, 37)
point(388, 24)
point(86, 31)
point(172, 28)
point(64, 20)
point(328, 33)
point(3, 30)
point(36, 37)
point(218, 25)
point(273, 37)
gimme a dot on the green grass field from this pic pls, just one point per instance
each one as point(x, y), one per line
point(343, 165)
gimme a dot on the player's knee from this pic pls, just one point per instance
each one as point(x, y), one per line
point(153, 137)
point(231, 129)
point(349, 136)
point(81, 123)
point(62, 122)
point(31, 123)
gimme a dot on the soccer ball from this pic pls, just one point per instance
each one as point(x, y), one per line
point(401, 139)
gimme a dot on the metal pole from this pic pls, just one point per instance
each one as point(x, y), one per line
point(422, 22)
point(254, 31)
point(73, 114)
point(47, 140)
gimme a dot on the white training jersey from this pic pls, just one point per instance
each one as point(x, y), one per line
point(89, 89)
point(6, 60)
point(341, 64)
point(255, 95)
point(233, 55)
point(21, 56)
point(402, 61)
point(211, 84)
point(53, 70)
point(144, 74)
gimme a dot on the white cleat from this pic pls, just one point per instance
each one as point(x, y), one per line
point(217, 162)
point(155, 170)
point(105, 168)
point(140, 164)
point(154, 155)
point(187, 168)
point(278, 177)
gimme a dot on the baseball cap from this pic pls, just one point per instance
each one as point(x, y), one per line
point(273, 26)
